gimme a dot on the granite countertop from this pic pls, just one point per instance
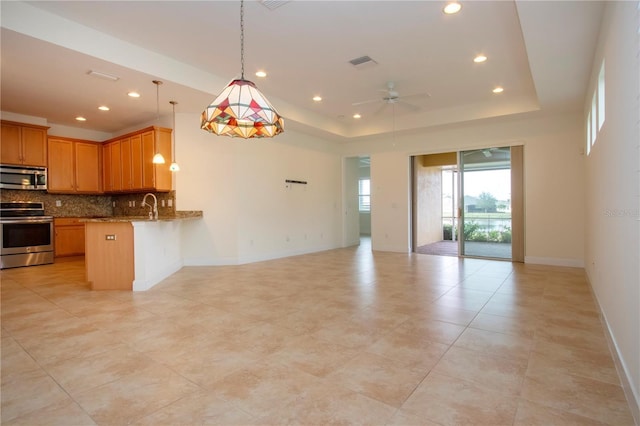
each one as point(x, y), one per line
point(179, 215)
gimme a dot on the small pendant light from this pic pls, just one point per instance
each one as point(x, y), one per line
point(158, 158)
point(174, 167)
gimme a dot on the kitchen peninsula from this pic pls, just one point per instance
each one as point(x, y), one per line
point(133, 252)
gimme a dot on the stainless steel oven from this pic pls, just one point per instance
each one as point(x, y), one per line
point(26, 235)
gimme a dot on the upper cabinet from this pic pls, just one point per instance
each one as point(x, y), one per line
point(74, 166)
point(23, 144)
point(128, 162)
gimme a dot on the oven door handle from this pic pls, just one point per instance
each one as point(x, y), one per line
point(24, 220)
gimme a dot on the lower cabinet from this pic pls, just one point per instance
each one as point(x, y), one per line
point(109, 260)
point(69, 236)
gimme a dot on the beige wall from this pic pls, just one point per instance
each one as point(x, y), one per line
point(250, 213)
point(613, 190)
point(554, 173)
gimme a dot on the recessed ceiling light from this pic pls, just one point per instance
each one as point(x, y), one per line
point(452, 7)
point(498, 90)
point(479, 58)
point(261, 74)
point(134, 94)
point(356, 116)
point(317, 98)
point(103, 108)
point(79, 118)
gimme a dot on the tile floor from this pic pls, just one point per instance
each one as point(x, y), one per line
point(345, 336)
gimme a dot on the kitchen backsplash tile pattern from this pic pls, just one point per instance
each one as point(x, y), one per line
point(93, 205)
point(70, 205)
point(131, 204)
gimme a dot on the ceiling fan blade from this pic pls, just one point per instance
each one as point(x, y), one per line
point(418, 95)
point(411, 107)
point(370, 101)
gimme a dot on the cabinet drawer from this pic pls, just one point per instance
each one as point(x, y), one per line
point(67, 221)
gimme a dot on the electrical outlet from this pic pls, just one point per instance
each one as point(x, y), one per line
point(170, 202)
point(162, 203)
point(58, 203)
point(114, 203)
point(134, 203)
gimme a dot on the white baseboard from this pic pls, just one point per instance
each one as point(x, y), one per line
point(159, 275)
point(555, 261)
point(632, 394)
point(222, 261)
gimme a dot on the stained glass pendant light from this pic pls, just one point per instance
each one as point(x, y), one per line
point(158, 158)
point(241, 110)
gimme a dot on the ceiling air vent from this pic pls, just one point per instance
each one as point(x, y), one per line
point(103, 75)
point(363, 62)
point(273, 4)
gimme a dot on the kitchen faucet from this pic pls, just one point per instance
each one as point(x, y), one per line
point(153, 209)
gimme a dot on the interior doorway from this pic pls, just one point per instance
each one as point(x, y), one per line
point(357, 199)
point(469, 203)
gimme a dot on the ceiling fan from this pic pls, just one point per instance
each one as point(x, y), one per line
point(393, 97)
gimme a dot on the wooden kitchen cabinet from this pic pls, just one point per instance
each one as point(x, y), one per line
point(74, 166)
point(128, 162)
point(125, 162)
point(112, 167)
point(69, 236)
point(109, 260)
point(23, 144)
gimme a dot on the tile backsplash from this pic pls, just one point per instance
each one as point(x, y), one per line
point(93, 205)
point(70, 205)
point(131, 204)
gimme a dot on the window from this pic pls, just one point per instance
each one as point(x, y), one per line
point(589, 141)
point(596, 115)
point(594, 119)
point(364, 195)
point(601, 97)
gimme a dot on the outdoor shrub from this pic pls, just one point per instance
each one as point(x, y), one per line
point(494, 236)
point(470, 229)
point(447, 232)
point(505, 236)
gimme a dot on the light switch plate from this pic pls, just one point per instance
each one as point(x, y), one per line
point(58, 203)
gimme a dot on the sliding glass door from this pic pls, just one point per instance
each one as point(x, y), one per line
point(485, 203)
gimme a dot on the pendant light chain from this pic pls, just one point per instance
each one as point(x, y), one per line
point(174, 167)
point(158, 83)
point(173, 104)
point(242, 39)
point(158, 158)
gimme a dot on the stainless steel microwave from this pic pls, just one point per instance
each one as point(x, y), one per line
point(23, 177)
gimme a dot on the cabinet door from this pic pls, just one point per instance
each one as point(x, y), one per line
point(60, 173)
point(69, 240)
point(148, 151)
point(125, 156)
point(136, 162)
point(106, 168)
point(116, 167)
point(87, 161)
point(10, 148)
point(34, 147)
